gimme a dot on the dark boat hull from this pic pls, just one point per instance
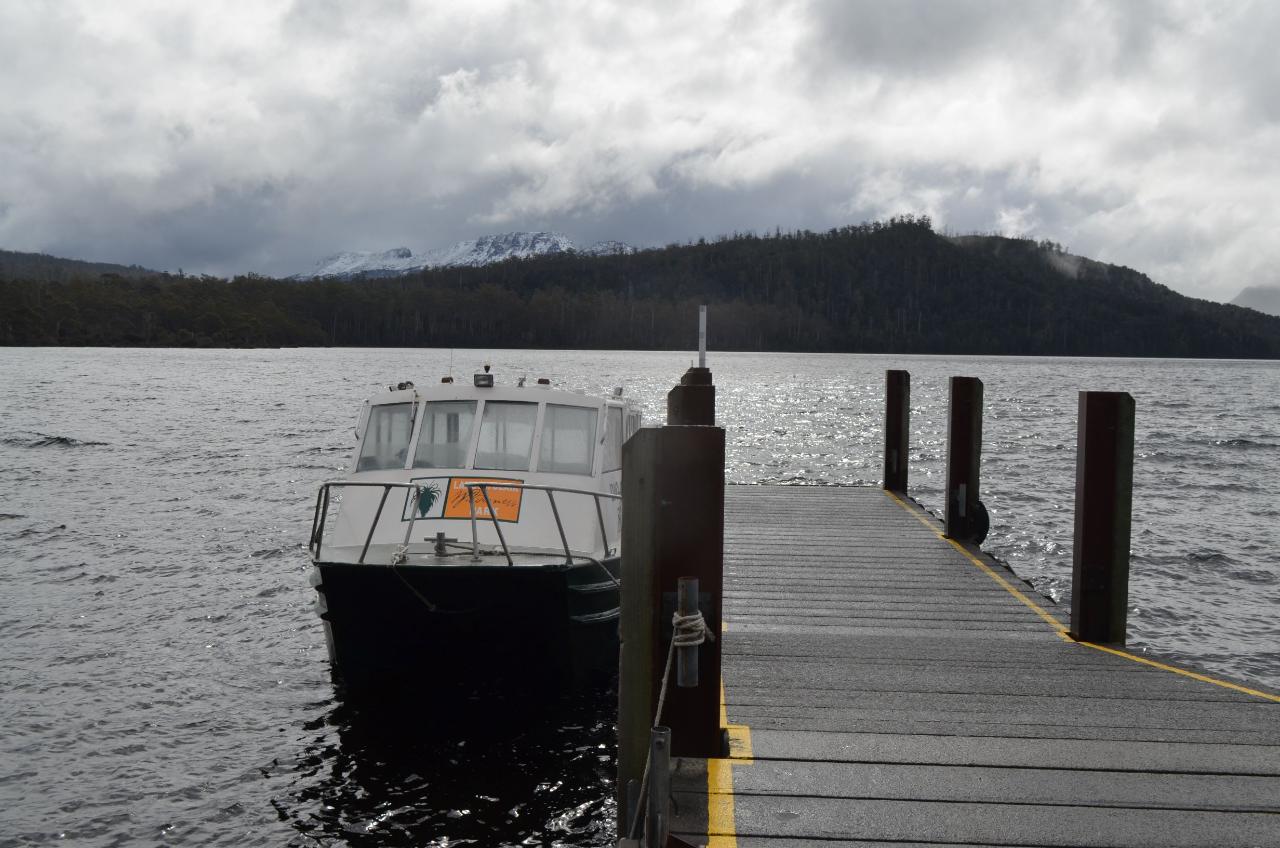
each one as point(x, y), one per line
point(420, 627)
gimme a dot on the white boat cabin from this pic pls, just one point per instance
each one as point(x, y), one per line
point(519, 441)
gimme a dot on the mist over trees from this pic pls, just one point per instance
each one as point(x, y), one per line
point(895, 286)
point(1262, 298)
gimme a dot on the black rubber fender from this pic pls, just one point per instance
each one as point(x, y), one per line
point(981, 524)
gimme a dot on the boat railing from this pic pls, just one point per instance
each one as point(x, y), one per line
point(321, 516)
point(324, 498)
point(484, 488)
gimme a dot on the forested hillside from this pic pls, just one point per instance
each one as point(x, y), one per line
point(895, 286)
point(40, 266)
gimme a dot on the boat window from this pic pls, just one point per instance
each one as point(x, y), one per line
point(633, 424)
point(386, 438)
point(613, 440)
point(568, 440)
point(506, 435)
point(446, 434)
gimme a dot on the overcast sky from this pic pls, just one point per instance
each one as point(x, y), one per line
point(260, 136)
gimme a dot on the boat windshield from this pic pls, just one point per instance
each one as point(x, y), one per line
point(568, 440)
point(386, 438)
point(446, 434)
point(506, 435)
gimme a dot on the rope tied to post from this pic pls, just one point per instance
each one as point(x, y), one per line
point(689, 631)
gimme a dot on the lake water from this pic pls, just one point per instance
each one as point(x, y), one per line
point(165, 679)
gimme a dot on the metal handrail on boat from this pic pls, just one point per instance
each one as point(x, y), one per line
point(322, 512)
point(321, 515)
point(550, 490)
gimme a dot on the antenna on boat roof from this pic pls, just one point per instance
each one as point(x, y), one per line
point(702, 336)
point(451, 363)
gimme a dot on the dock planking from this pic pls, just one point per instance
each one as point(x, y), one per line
point(882, 685)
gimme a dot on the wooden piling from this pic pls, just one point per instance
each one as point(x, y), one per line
point(672, 527)
point(897, 429)
point(966, 517)
point(694, 400)
point(1104, 503)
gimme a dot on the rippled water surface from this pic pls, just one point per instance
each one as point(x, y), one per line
point(164, 678)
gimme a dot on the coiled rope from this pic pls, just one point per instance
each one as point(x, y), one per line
point(688, 631)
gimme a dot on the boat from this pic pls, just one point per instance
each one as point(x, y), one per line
point(478, 531)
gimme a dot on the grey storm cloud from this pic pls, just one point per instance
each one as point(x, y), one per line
point(264, 135)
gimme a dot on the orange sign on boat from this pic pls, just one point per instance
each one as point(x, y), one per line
point(506, 501)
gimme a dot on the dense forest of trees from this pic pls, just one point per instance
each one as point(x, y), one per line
point(893, 286)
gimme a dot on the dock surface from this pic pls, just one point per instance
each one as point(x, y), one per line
point(884, 686)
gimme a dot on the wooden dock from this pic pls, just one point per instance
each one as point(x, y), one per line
point(883, 685)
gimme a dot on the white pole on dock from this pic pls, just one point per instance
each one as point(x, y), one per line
point(702, 336)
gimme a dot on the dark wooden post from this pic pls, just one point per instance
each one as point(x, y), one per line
point(672, 527)
point(1104, 505)
point(897, 429)
point(966, 516)
point(694, 400)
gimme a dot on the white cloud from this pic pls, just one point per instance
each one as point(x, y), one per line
point(261, 135)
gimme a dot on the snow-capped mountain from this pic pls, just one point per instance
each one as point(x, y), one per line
point(482, 251)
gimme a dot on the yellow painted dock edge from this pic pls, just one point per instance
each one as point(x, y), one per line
point(1057, 625)
point(721, 827)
